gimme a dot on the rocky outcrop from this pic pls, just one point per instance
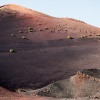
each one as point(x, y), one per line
point(79, 85)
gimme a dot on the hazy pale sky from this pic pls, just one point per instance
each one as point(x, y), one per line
point(85, 10)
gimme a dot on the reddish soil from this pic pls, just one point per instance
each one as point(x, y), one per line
point(45, 54)
point(8, 95)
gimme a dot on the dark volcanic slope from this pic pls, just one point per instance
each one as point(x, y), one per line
point(42, 51)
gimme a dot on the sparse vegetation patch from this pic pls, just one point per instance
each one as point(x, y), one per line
point(97, 35)
point(46, 28)
point(69, 37)
point(11, 51)
point(20, 31)
point(23, 37)
point(12, 35)
point(30, 29)
point(40, 30)
point(90, 35)
point(84, 36)
point(39, 24)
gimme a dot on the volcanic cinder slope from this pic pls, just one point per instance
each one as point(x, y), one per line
point(37, 49)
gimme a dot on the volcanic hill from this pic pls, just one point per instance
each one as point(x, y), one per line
point(37, 49)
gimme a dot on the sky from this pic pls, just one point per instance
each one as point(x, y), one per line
point(84, 10)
